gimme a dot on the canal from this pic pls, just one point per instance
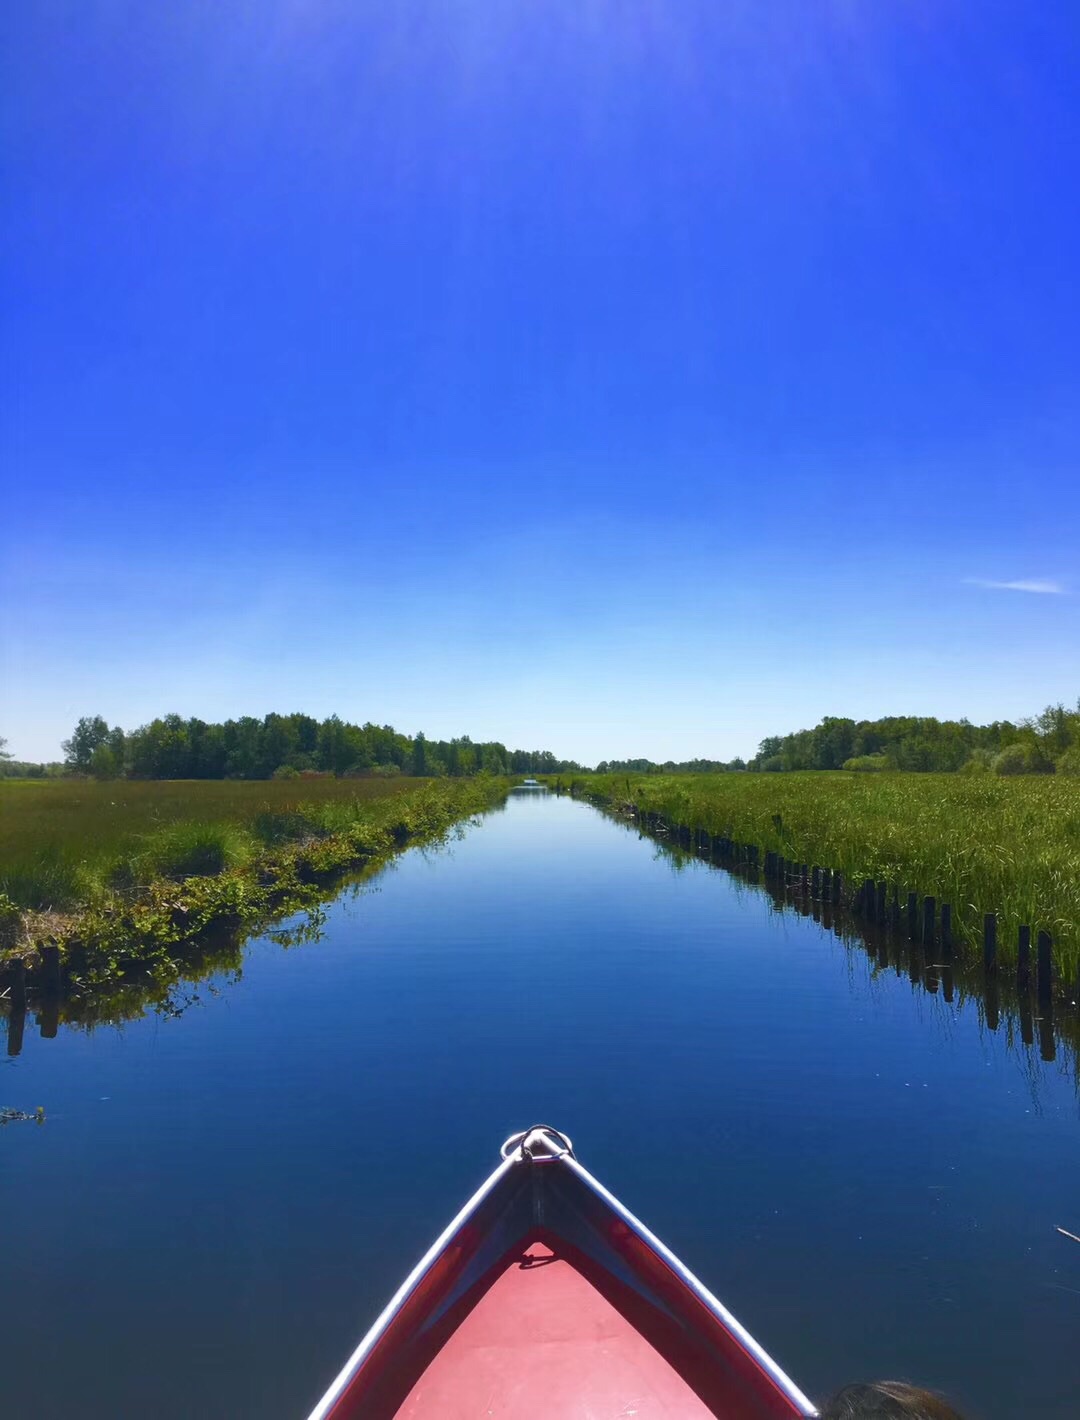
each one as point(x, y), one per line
point(220, 1200)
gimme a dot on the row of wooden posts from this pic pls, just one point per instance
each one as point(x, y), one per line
point(924, 922)
point(51, 977)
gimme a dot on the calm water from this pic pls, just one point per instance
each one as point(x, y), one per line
point(220, 1203)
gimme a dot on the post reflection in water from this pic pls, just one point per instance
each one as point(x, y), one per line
point(890, 941)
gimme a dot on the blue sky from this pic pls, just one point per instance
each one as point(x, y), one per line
point(615, 378)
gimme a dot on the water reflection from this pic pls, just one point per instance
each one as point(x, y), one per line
point(890, 943)
point(215, 963)
point(831, 1143)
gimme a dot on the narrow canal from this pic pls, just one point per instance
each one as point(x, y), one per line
point(220, 1202)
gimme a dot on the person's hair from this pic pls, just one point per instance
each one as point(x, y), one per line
point(888, 1400)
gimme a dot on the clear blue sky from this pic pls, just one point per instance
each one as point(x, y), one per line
point(611, 376)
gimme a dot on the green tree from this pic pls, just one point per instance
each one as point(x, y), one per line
point(4, 754)
point(1020, 758)
point(1069, 763)
point(104, 763)
point(419, 755)
point(242, 748)
point(336, 748)
point(88, 734)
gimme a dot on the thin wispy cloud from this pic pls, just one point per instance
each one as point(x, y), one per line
point(1038, 585)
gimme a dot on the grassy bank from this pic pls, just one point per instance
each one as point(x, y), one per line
point(983, 844)
point(134, 872)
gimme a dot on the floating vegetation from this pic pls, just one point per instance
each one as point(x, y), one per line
point(14, 1116)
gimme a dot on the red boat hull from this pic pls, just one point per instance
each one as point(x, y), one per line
point(546, 1297)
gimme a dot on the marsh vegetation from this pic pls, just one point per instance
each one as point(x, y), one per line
point(983, 843)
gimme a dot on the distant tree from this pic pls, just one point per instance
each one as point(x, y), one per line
point(162, 749)
point(419, 755)
point(242, 747)
point(276, 745)
point(867, 763)
point(335, 747)
point(89, 733)
point(494, 758)
point(1069, 763)
point(4, 754)
point(769, 748)
point(105, 763)
point(979, 761)
point(1020, 758)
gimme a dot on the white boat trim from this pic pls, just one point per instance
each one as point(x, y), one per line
point(401, 1296)
point(566, 1159)
point(762, 1357)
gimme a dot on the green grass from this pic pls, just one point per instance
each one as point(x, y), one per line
point(138, 877)
point(983, 844)
point(64, 843)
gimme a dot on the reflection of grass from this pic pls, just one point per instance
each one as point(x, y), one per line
point(119, 865)
point(982, 844)
point(63, 841)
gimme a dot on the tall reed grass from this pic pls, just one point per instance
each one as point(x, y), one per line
point(982, 844)
point(71, 843)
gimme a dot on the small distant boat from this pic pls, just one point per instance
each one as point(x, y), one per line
point(530, 784)
point(546, 1297)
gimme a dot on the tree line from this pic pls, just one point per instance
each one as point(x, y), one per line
point(1043, 744)
point(284, 746)
point(172, 747)
point(669, 766)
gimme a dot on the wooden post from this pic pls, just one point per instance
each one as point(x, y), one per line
point(50, 964)
point(1044, 968)
point(17, 1016)
point(1023, 959)
point(993, 1002)
point(913, 917)
point(947, 982)
point(804, 878)
point(929, 909)
point(826, 885)
point(815, 881)
point(864, 903)
point(49, 1017)
point(990, 943)
point(882, 911)
point(946, 928)
point(837, 887)
point(1046, 1034)
point(1027, 1021)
